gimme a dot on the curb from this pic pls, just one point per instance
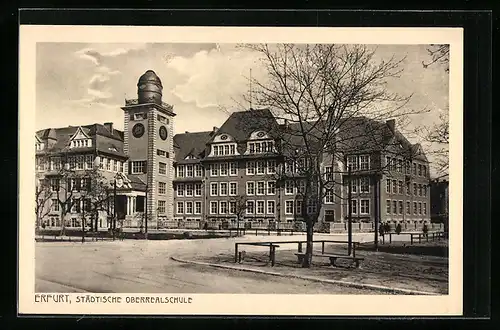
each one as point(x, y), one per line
point(315, 279)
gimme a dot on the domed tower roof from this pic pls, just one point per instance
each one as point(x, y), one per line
point(149, 77)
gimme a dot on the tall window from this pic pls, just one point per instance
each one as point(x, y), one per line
point(197, 189)
point(189, 189)
point(162, 169)
point(161, 206)
point(388, 206)
point(394, 187)
point(250, 168)
point(388, 163)
point(354, 185)
point(138, 167)
point(408, 208)
point(400, 187)
point(328, 173)
point(88, 162)
point(420, 190)
point(395, 207)
point(414, 168)
point(197, 207)
point(250, 188)
point(270, 207)
point(250, 207)
point(364, 162)
point(214, 169)
point(261, 165)
point(223, 207)
point(271, 187)
point(72, 162)
point(223, 169)
point(288, 188)
point(302, 187)
point(414, 189)
point(54, 184)
point(354, 206)
point(198, 170)
point(119, 166)
point(271, 166)
point(400, 207)
point(232, 188)
point(55, 205)
point(364, 185)
point(189, 207)
point(180, 189)
point(261, 188)
point(298, 207)
point(388, 186)
point(162, 188)
point(223, 188)
point(415, 208)
point(408, 189)
point(311, 206)
point(260, 207)
point(232, 207)
point(232, 169)
point(288, 207)
point(329, 196)
point(108, 163)
point(213, 189)
point(213, 207)
point(425, 208)
point(400, 165)
point(419, 169)
point(352, 163)
point(189, 171)
point(424, 190)
point(424, 170)
point(364, 207)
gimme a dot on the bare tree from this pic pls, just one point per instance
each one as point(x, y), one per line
point(43, 195)
point(238, 206)
point(318, 92)
point(439, 54)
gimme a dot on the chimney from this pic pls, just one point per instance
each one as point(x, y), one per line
point(392, 125)
point(109, 126)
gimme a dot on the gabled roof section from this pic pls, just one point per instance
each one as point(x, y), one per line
point(191, 144)
point(240, 125)
point(81, 133)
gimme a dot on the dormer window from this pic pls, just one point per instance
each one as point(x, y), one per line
point(81, 143)
point(225, 149)
point(39, 146)
point(260, 147)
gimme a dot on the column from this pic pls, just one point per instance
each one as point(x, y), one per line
point(128, 205)
point(133, 204)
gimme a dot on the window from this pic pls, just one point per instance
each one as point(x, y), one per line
point(388, 206)
point(223, 207)
point(364, 162)
point(364, 207)
point(162, 188)
point(400, 207)
point(425, 208)
point(138, 167)
point(72, 162)
point(302, 187)
point(388, 186)
point(408, 167)
point(119, 166)
point(271, 187)
point(288, 207)
point(232, 207)
point(328, 173)
point(213, 207)
point(251, 148)
point(260, 207)
point(298, 207)
point(215, 150)
point(408, 189)
point(88, 163)
point(424, 190)
point(55, 205)
point(139, 116)
point(261, 188)
point(354, 185)
point(419, 169)
point(288, 188)
point(329, 196)
point(223, 188)
point(198, 170)
point(232, 148)
point(408, 208)
point(189, 207)
point(250, 168)
point(223, 169)
point(271, 166)
point(352, 163)
point(226, 149)
point(115, 165)
point(180, 189)
point(233, 188)
point(400, 187)
point(162, 169)
point(400, 166)
point(388, 162)
point(232, 169)
point(420, 208)
point(213, 189)
point(261, 165)
point(107, 162)
point(354, 206)
point(270, 207)
point(160, 152)
point(197, 189)
point(415, 208)
point(414, 189)
point(189, 171)
point(414, 168)
point(214, 169)
point(250, 188)
point(54, 184)
point(424, 170)
point(394, 187)
point(394, 207)
point(420, 190)
point(289, 166)
point(250, 207)
point(162, 119)
point(364, 185)
point(311, 206)
point(189, 189)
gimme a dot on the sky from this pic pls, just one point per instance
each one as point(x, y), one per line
point(86, 83)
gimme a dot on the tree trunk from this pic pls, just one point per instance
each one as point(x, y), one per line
point(309, 245)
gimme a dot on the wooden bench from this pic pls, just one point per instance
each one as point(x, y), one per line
point(332, 257)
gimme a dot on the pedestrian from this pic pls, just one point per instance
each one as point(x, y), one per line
point(425, 229)
point(381, 231)
point(398, 228)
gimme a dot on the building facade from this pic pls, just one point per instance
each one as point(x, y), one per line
point(210, 179)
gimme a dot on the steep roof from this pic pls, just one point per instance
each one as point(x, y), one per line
point(191, 143)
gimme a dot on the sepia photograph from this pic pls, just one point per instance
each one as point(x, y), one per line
point(165, 171)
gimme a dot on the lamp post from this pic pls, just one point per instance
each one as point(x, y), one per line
point(349, 218)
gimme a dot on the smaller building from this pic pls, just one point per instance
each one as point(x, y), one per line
point(439, 189)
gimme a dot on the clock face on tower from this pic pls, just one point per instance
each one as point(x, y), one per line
point(138, 130)
point(163, 133)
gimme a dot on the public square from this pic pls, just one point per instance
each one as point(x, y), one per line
point(146, 266)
